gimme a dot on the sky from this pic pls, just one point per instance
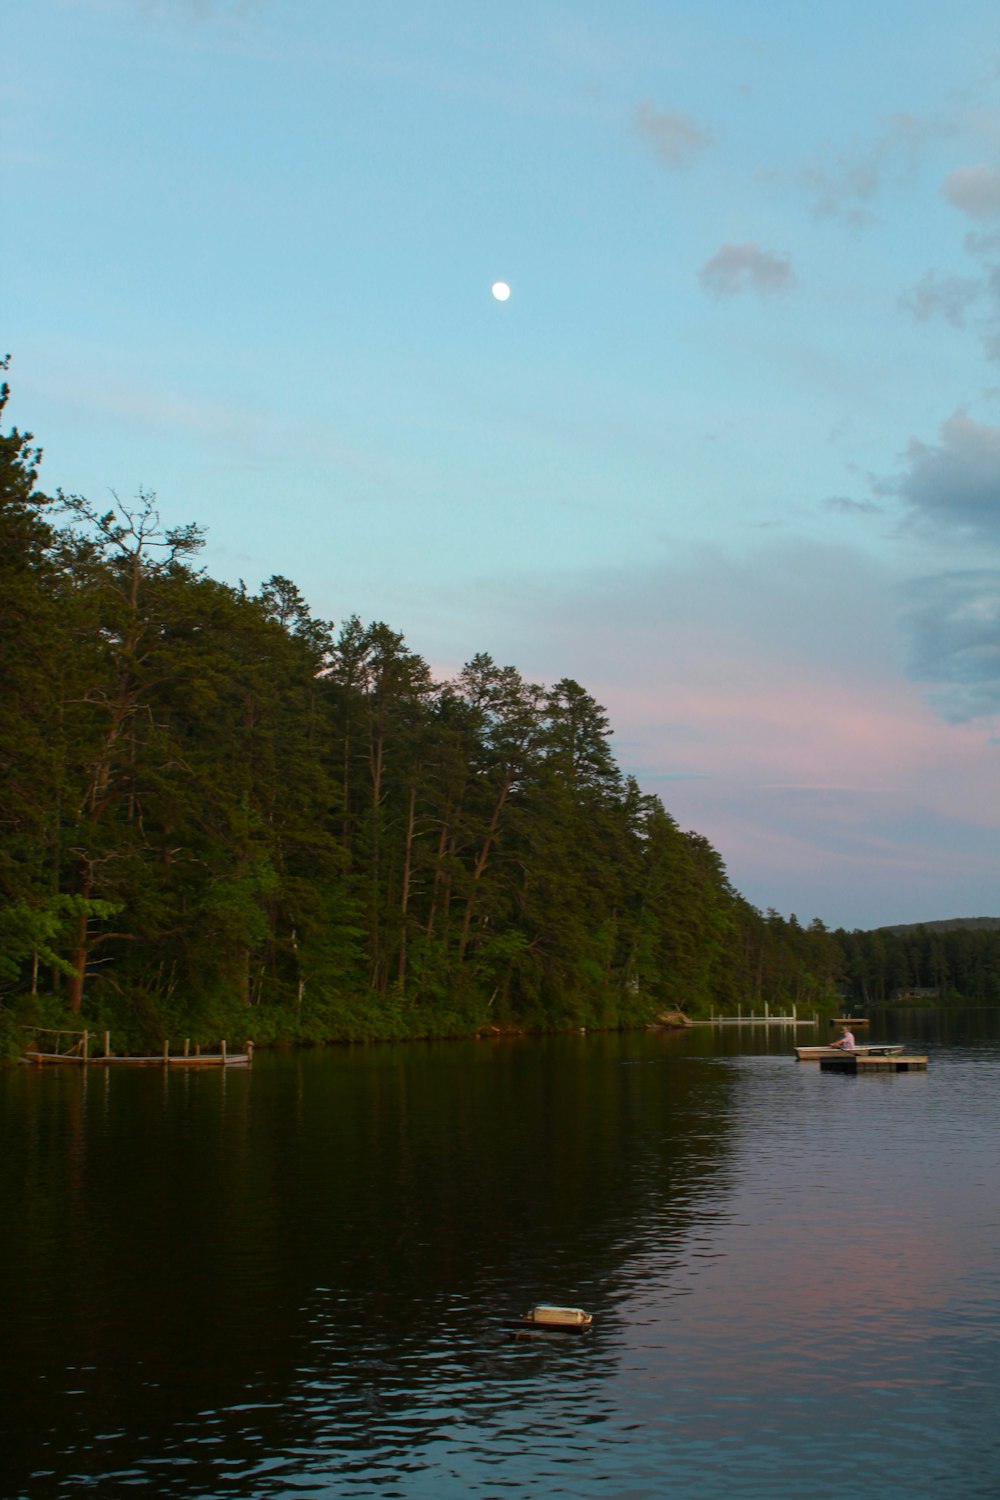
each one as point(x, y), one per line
point(729, 455)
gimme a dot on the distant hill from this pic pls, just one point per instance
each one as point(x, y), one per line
point(950, 924)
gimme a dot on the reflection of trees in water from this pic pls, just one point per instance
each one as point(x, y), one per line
point(321, 1252)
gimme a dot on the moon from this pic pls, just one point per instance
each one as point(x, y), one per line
point(500, 290)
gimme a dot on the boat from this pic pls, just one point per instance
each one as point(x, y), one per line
point(866, 1049)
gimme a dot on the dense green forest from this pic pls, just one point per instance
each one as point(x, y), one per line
point(223, 816)
point(940, 962)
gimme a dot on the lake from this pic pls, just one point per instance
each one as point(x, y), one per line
point(296, 1280)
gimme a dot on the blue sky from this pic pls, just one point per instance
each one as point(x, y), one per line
point(729, 455)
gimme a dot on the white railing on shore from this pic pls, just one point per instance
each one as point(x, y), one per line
point(767, 1019)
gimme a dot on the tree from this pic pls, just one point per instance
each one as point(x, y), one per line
point(128, 562)
point(31, 644)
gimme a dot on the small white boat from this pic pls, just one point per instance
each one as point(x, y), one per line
point(866, 1049)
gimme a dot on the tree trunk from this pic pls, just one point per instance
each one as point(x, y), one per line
point(482, 861)
point(81, 947)
point(405, 897)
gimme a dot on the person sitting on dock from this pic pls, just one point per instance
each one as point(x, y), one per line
point(846, 1042)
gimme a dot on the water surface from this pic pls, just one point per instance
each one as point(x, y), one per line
point(295, 1281)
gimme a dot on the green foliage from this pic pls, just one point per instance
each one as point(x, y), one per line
point(39, 933)
point(221, 817)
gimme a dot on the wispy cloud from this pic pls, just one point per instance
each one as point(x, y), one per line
point(846, 182)
point(675, 137)
point(825, 786)
point(949, 297)
point(981, 242)
point(850, 507)
point(198, 10)
point(953, 622)
point(746, 267)
point(961, 299)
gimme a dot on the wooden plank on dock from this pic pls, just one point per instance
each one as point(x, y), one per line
point(213, 1060)
point(204, 1060)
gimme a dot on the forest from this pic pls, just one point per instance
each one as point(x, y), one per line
point(220, 815)
point(934, 963)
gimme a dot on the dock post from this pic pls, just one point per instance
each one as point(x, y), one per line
point(222, 1048)
point(766, 1010)
point(187, 1044)
point(86, 1044)
point(107, 1044)
point(166, 1053)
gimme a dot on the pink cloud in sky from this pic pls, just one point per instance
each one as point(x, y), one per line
point(848, 801)
point(788, 730)
point(764, 699)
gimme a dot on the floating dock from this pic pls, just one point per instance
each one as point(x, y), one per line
point(866, 1049)
point(853, 1062)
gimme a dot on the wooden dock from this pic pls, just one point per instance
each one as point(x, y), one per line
point(854, 1062)
point(82, 1054)
point(767, 1019)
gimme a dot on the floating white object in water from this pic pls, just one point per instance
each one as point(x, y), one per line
point(559, 1317)
point(500, 290)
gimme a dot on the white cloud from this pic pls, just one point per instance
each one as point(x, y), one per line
point(675, 138)
point(975, 191)
point(740, 268)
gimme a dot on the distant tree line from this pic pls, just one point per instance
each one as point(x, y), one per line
point(220, 814)
point(938, 963)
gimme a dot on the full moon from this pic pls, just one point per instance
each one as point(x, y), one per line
point(500, 290)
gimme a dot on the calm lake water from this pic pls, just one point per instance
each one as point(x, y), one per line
point(293, 1281)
